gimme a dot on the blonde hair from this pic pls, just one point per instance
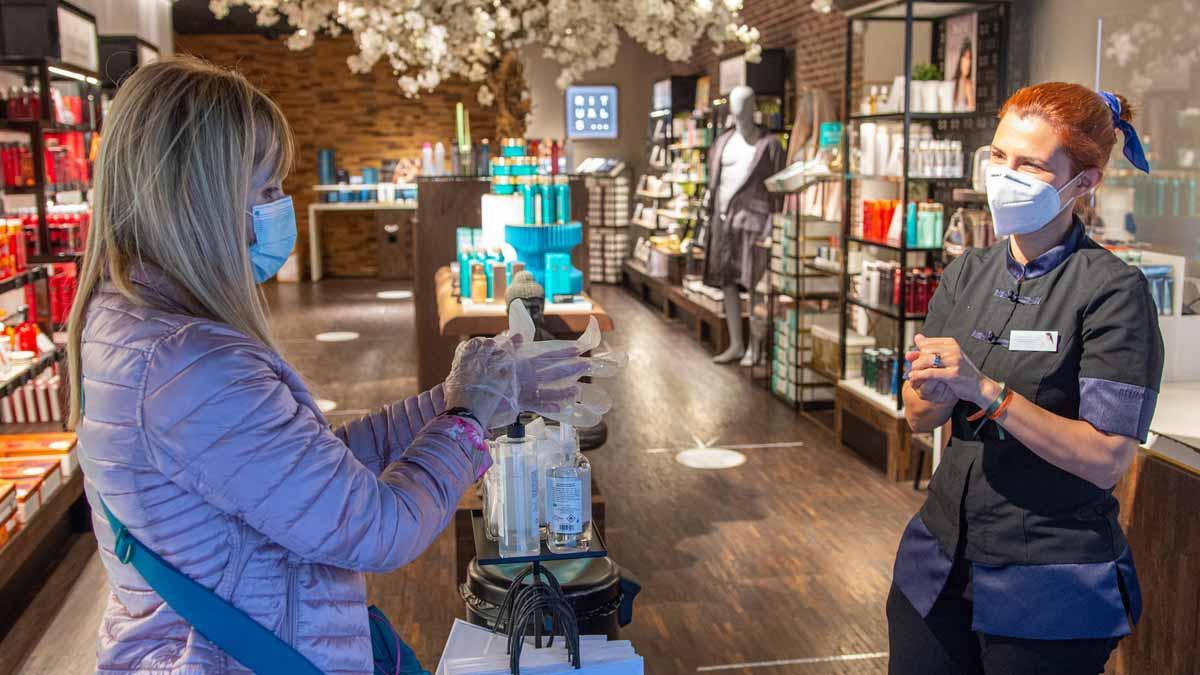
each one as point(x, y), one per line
point(181, 141)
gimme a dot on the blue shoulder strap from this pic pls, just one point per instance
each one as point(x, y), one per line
point(226, 626)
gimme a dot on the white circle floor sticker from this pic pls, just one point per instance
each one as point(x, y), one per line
point(394, 295)
point(337, 336)
point(710, 458)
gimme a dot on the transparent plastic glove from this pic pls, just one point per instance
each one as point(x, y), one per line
point(483, 380)
point(548, 372)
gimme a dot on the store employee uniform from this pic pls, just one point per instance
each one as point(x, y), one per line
point(1013, 564)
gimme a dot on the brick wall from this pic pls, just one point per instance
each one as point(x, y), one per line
point(816, 44)
point(364, 118)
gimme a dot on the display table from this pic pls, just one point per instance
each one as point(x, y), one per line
point(454, 321)
point(316, 269)
point(707, 325)
point(871, 425)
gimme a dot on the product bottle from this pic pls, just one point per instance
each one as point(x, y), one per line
point(479, 284)
point(518, 503)
point(499, 279)
point(562, 198)
point(554, 158)
point(427, 160)
point(483, 166)
point(547, 212)
point(570, 517)
point(456, 167)
point(530, 195)
point(439, 159)
point(465, 256)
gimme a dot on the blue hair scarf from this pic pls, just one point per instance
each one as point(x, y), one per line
point(1133, 145)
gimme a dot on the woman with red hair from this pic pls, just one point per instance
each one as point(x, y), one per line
point(1044, 353)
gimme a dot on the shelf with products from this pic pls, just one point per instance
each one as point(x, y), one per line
point(22, 279)
point(917, 116)
point(19, 374)
point(894, 247)
point(889, 312)
point(800, 298)
point(910, 157)
point(59, 108)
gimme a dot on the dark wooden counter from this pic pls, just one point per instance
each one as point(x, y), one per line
point(1160, 511)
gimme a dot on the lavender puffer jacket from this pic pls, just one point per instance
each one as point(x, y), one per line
point(210, 449)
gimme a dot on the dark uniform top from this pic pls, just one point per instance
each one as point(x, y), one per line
point(1047, 556)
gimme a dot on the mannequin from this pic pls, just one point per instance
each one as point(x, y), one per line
point(739, 211)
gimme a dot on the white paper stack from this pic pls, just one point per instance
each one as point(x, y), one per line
point(473, 650)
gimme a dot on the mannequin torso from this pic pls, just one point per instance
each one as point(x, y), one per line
point(737, 159)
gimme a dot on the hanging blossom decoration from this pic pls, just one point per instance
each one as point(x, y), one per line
point(429, 41)
point(1155, 45)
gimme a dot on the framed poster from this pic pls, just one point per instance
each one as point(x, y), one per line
point(662, 95)
point(961, 64)
point(732, 73)
point(592, 111)
point(78, 38)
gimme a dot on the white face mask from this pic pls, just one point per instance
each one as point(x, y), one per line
point(1022, 204)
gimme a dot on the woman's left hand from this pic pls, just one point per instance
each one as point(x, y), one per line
point(943, 360)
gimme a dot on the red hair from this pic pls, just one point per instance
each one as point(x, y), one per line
point(1081, 118)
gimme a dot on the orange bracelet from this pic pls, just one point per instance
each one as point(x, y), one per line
point(995, 406)
point(1008, 398)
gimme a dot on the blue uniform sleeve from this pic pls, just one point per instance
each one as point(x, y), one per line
point(1122, 362)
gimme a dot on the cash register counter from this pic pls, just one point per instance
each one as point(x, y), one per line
point(1160, 503)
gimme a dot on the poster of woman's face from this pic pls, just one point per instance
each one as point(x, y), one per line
point(961, 47)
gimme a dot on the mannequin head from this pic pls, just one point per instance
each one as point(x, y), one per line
point(742, 107)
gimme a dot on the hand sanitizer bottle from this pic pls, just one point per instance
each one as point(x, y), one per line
point(570, 517)
point(518, 482)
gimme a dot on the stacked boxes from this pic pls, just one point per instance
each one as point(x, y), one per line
point(789, 250)
point(792, 349)
point(609, 248)
point(32, 468)
point(608, 227)
point(8, 511)
point(708, 297)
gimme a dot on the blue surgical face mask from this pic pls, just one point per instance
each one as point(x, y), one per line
point(275, 235)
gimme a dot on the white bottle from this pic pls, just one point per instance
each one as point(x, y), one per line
point(570, 487)
point(439, 159)
point(554, 450)
point(518, 504)
point(427, 160)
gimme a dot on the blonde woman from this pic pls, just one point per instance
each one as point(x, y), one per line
point(202, 448)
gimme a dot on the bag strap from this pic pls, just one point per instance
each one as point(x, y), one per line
point(226, 626)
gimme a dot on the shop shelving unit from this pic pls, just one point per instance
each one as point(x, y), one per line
point(799, 293)
point(43, 74)
point(894, 326)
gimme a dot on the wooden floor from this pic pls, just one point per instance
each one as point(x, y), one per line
point(785, 558)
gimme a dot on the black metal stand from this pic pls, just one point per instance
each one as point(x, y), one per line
point(536, 602)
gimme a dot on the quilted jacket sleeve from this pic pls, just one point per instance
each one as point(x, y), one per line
point(380, 438)
point(219, 421)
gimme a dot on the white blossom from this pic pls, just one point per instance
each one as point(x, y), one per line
point(429, 41)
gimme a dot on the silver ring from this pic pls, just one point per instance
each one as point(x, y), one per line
point(937, 361)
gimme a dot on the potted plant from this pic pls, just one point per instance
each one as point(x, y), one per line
point(927, 79)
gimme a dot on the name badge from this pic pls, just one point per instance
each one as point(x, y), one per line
point(1033, 341)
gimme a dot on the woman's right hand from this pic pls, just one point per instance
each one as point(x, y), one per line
point(483, 380)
